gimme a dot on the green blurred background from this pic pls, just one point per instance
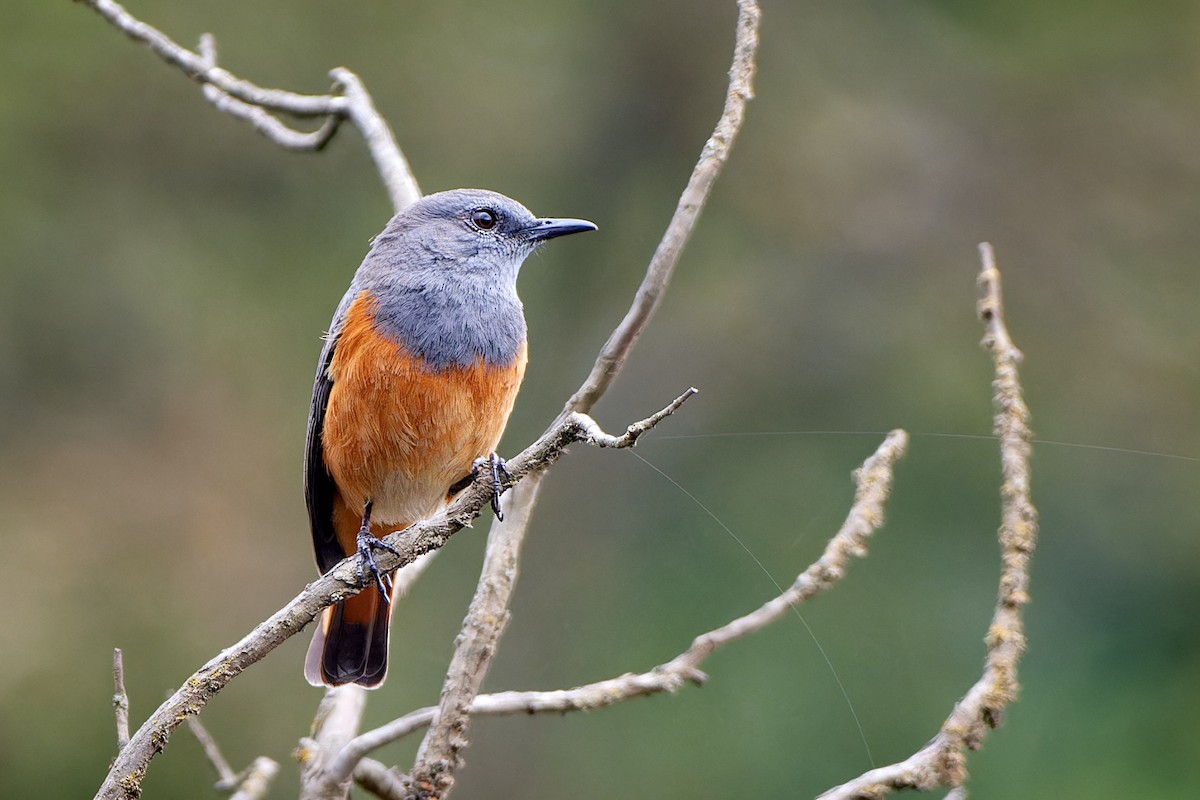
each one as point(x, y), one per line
point(165, 274)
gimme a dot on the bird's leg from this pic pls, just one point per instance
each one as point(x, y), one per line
point(496, 464)
point(366, 558)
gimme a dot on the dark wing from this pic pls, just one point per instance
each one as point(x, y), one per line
point(319, 488)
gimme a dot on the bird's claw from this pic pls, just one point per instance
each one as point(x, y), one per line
point(367, 544)
point(496, 465)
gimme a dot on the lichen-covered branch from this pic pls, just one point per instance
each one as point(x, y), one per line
point(128, 769)
point(942, 762)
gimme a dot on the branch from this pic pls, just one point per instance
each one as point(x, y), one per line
point(379, 780)
point(252, 783)
point(439, 756)
point(942, 762)
point(874, 481)
point(120, 699)
point(250, 102)
point(125, 776)
point(687, 211)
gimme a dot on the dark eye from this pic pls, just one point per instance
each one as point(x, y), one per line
point(484, 219)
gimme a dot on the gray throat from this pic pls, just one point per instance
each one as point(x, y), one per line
point(453, 323)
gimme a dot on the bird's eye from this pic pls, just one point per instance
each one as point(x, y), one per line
point(484, 219)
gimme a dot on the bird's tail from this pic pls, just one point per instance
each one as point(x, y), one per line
point(351, 643)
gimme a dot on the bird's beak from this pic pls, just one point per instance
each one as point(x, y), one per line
point(549, 227)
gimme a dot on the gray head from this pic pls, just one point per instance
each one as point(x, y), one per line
point(468, 231)
point(443, 274)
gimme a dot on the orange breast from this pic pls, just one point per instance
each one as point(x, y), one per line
point(400, 434)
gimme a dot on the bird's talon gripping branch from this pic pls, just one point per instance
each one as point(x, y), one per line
point(499, 474)
point(366, 563)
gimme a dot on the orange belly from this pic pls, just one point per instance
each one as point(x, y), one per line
point(400, 434)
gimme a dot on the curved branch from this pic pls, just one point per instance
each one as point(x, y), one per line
point(874, 481)
point(440, 753)
point(942, 762)
point(128, 769)
point(246, 101)
point(687, 211)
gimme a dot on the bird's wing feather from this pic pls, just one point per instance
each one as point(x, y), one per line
point(319, 489)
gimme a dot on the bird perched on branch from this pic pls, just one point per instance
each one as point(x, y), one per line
point(415, 384)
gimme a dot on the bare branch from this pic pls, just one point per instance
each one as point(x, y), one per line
point(874, 481)
point(259, 119)
point(226, 777)
point(687, 212)
point(252, 783)
point(120, 699)
point(247, 101)
point(125, 776)
point(380, 781)
point(337, 721)
point(942, 762)
point(439, 755)
point(255, 782)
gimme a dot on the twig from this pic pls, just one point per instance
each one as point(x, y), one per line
point(249, 102)
point(379, 780)
point(125, 776)
point(226, 777)
point(120, 699)
point(942, 762)
point(440, 753)
point(874, 481)
point(263, 122)
point(252, 783)
point(255, 782)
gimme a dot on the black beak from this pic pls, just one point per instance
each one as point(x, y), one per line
point(549, 227)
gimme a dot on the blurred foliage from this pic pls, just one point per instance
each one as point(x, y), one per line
point(165, 275)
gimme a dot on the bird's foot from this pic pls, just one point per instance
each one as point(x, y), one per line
point(367, 545)
point(495, 464)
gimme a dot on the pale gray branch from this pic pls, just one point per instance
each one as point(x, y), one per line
point(380, 780)
point(336, 723)
point(226, 777)
point(687, 212)
point(874, 481)
point(440, 753)
point(257, 117)
point(247, 101)
point(125, 774)
point(255, 782)
point(942, 762)
point(120, 699)
point(252, 783)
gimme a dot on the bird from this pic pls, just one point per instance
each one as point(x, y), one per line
point(415, 383)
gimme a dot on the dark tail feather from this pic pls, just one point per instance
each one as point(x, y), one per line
point(351, 643)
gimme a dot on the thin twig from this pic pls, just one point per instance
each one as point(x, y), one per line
point(250, 102)
point(942, 762)
point(120, 699)
point(125, 776)
point(440, 753)
point(252, 783)
point(226, 777)
point(874, 481)
point(258, 118)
